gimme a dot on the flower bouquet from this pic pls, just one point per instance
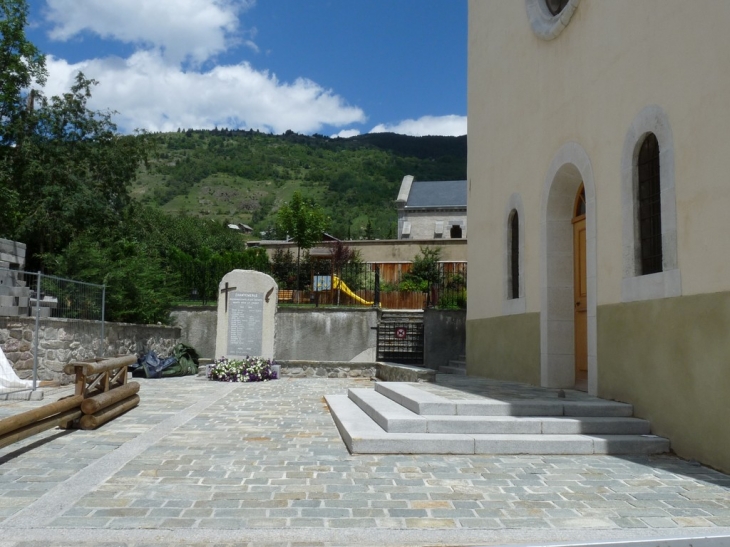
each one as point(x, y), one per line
point(249, 369)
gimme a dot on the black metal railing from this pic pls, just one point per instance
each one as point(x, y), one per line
point(323, 283)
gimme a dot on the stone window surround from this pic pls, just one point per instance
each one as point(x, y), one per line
point(546, 25)
point(569, 168)
point(668, 282)
point(514, 306)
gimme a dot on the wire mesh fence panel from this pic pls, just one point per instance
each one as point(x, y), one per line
point(41, 299)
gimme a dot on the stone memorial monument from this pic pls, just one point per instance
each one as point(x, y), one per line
point(246, 315)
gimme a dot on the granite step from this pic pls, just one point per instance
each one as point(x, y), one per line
point(394, 418)
point(362, 435)
point(425, 403)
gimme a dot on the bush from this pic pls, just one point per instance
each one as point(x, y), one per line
point(249, 369)
point(453, 300)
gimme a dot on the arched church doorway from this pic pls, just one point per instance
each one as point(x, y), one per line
point(568, 326)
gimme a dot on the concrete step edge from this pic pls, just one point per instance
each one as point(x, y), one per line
point(425, 403)
point(385, 412)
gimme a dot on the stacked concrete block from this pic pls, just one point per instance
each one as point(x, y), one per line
point(14, 294)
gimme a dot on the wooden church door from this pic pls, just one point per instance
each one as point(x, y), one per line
point(580, 290)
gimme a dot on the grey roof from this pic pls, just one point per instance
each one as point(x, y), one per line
point(437, 193)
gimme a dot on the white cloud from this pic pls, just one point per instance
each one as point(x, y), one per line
point(426, 125)
point(154, 95)
point(347, 133)
point(181, 29)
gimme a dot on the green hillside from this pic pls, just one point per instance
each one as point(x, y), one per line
point(244, 176)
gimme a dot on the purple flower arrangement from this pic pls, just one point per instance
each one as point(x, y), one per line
point(250, 369)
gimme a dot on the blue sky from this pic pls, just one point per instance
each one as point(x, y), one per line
point(336, 67)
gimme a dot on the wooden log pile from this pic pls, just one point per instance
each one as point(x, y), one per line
point(104, 388)
point(102, 393)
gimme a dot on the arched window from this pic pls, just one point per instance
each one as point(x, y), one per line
point(456, 232)
point(649, 209)
point(514, 284)
point(649, 206)
point(514, 255)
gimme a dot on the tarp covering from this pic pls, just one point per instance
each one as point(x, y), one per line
point(183, 361)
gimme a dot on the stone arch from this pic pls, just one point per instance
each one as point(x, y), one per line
point(570, 167)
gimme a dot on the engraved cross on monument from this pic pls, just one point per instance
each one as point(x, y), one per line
point(246, 315)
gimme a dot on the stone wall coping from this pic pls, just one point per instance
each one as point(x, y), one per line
point(194, 308)
point(407, 373)
point(333, 309)
point(325, 364)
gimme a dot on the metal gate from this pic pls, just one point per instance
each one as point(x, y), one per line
point(400, 342)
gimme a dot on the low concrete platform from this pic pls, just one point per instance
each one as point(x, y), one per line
point(407, 418)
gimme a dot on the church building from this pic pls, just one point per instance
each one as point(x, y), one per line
point(599, 192)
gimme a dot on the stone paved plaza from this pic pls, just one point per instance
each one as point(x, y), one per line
point(209, 463)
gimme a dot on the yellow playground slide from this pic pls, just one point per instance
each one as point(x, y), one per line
point(338, 284)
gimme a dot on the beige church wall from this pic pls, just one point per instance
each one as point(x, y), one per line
point(529, 97)
point(669, 358)
point(504, 348)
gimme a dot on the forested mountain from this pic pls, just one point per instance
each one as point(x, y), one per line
point(244, 176)
point(95, 205)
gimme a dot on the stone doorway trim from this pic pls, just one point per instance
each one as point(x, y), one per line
point(570, 167)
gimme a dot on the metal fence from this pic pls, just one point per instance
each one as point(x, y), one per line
point(199, 279)
point(387, 285)
point(42, 297)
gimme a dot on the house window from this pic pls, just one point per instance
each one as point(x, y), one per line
point(650, 211)
point(514, 255)
point(439, 229)
point(456, 232)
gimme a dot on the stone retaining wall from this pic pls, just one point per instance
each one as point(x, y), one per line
point(328, 369)
point(387, 372)
point(62, 341)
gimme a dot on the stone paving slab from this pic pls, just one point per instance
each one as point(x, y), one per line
point(208, 463)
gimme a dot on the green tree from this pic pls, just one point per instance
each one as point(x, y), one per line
point(72, 172)
point(303, 222)
point(21, 65)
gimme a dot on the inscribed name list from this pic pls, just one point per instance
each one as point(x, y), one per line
point(245, 323)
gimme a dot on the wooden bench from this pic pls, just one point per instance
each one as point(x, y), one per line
point(286, 295)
